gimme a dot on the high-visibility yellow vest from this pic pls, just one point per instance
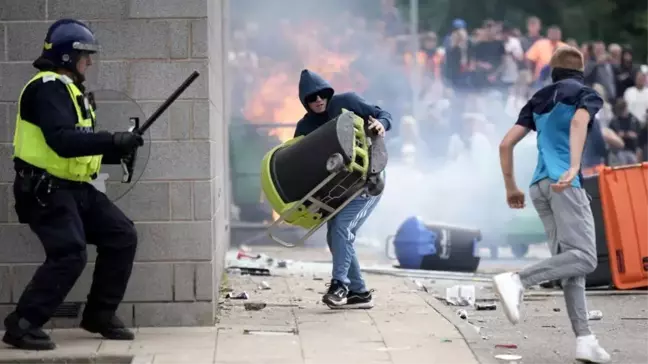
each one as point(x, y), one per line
point(29, 142)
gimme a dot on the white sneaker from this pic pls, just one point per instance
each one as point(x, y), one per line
point(511, 292)
point(589, 350)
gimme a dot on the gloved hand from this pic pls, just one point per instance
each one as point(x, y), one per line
point(126, 142)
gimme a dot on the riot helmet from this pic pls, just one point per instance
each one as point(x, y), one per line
point(65, 42)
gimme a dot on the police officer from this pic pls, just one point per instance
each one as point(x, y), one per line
point(56, 155)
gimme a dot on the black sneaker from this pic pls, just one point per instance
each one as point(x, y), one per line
point(357, 300)
point(111, 329)
point(336, 295)
point(22, 335)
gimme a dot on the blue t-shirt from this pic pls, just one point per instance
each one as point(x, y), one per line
point(549, 113)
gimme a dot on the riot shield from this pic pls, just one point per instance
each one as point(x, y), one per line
point(117, 111)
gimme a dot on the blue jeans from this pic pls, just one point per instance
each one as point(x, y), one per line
point(340, 235)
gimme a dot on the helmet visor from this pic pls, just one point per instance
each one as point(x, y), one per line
point(86, 47)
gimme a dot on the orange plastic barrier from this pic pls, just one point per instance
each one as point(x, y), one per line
point(624, 198)
point(592, 171)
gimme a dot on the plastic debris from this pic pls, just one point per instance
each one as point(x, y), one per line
point(462, 314)
point(486, 307)
point(264, 285)
point(255, 306)
point(240, 296)
point(506, 346)
point(419, 285)
point(594, 315)
point(460, 295)
point(508, 357)
point(234, 271)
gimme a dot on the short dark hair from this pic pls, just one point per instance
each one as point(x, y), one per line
point(567, 57)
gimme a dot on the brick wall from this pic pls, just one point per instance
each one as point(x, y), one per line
point(180, 203)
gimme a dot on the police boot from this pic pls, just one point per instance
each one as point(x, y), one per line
point(108, 326)
point(23, 335)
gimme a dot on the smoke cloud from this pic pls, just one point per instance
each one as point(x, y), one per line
point(444, 163)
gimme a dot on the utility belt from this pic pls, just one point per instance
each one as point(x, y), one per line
point(41, 184)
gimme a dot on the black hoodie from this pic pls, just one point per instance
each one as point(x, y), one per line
point(311, 83)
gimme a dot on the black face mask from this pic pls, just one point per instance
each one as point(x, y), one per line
point(558, 74)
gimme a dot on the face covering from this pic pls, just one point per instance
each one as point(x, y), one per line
point(558, 74)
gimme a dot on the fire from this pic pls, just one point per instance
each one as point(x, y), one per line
point(275, 98)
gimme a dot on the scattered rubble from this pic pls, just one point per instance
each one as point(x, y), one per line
point(255, 306)
point(486, 307)
point(462, 314)
point(241, 296)
point(264, 285)
point(594, 315)
point(506, 346)
point(460, 295)
point(510, 358)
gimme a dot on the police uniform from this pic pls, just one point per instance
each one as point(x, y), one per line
point(56, 155)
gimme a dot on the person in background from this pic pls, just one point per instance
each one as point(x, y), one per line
point(392, 18)
point(586, 49)
point(433, 58)
point(534, 25)
point(600, 142)
point(601, 71)
point(561, 113)
point(637, 97)
point(615, 50)
point(572, 42)
point(606, 114)
point(457, 63)
point(626, 72)
point(513, 56)
point(457, 24)
point(488, 59)
point(540, 53)
point(643, 142)
point(628, 128)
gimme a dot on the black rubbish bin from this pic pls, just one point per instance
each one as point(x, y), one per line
point(602, 275)
point(298, 168)
point(434, 246)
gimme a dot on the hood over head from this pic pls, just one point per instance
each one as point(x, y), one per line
point(311, 83)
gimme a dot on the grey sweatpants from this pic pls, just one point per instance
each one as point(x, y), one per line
point(568, 221)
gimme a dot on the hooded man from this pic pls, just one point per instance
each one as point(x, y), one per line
point(347, 288)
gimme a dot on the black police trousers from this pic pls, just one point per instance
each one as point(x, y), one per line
point(65, 219)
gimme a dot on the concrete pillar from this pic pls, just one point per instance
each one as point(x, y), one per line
point(180, 205)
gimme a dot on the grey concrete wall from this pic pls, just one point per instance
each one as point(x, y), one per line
point(180, 205)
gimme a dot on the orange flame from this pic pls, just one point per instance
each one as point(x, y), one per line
point(275, 99)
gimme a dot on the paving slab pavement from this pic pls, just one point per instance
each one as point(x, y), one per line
point(294, 327)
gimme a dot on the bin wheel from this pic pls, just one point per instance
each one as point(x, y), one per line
point(520, 250)
point(375, 185)
point(335, 163)
point(494, 252)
